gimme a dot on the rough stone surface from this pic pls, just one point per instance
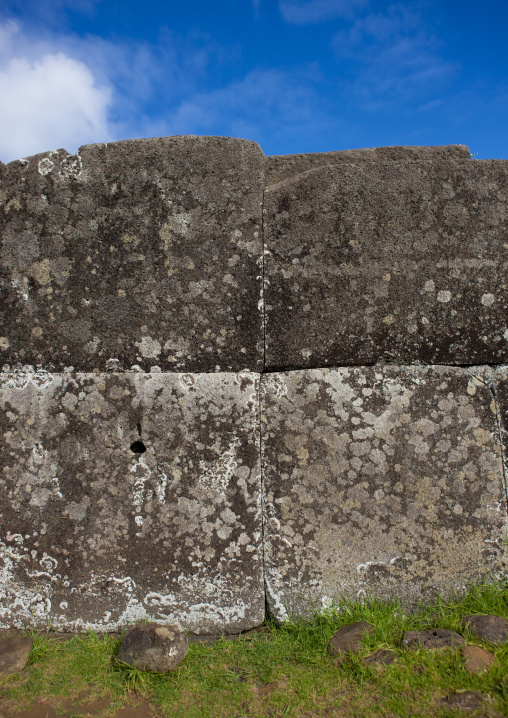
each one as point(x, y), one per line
point(95, 535)
point(477, 659)
point(150, 647)
point(435, 638)
point(144, 252)
point(283, 167)
point(384, 481)
point(501, 384)
point(348, 639)
point(385, 260)
point(381, 657)
point(465, 700)
point(14, 654)
point(491, 628)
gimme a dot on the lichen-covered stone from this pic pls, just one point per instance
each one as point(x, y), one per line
point(387, 260)
point(144, 252)
point(383, 481)
point(130, 495)
point(282, 167)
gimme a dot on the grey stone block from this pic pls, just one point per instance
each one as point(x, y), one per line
point(380, 481)
point(283, 167)
point(399, 261)
point(144, 252)
point(130, 495)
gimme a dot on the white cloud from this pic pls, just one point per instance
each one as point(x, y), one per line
point(47, 102)
point(303, 12)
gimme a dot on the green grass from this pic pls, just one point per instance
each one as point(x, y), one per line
point(279, 671)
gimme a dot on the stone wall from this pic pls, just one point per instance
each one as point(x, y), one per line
point(230, 377)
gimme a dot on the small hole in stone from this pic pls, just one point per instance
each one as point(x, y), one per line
point(138, 447)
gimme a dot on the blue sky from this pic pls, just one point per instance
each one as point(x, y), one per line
point(293, 75)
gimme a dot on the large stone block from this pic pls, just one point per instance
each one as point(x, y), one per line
point(125, 495)
point(144, 252)
point(282, 167)
point(387, 260)
point(380, 481)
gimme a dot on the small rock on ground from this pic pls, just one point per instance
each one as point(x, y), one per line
point(381, 657)
point(477, 659)
point(467, 700)
point(348, 639)
point(491, 628)
point(14, 654)
point(152, 647)
point(435, 638)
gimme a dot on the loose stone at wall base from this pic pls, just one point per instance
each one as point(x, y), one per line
point(383, 481)
point(127, 495)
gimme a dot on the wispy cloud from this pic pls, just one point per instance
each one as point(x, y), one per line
point(392, 57)
point(304, 12)
point(263, 106)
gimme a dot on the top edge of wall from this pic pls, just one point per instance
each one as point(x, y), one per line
point(147, 142)
point(387, 153)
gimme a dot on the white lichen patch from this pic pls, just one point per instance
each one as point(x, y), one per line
point(219, 474)
point(150, 348)
point(46, 166)
point(444, 296)
point(71, 166)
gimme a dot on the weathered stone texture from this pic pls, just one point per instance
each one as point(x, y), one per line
point(150, 647)
point(501, 387)
point(487, 627)
point(282, 167)
point(383, 481)
point(433, 638)
point(399, 260)
point(14, 653)
point(144, 252)
point(95, 534)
